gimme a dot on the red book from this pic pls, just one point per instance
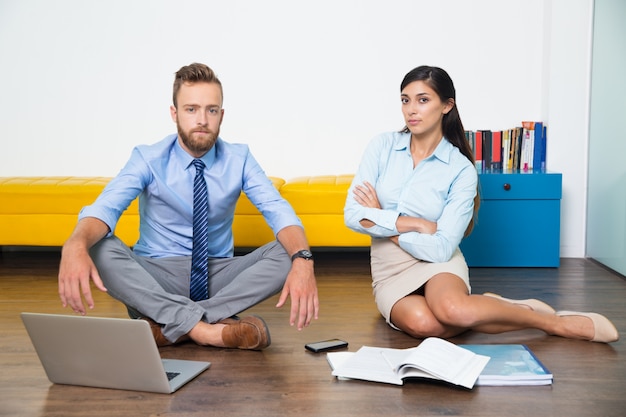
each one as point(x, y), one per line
point(496, 151)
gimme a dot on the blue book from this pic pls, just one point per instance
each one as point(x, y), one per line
point(510, 365)
point(539, 148)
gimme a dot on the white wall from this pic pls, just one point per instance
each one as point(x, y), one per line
point(306, 84)
point(569, 39)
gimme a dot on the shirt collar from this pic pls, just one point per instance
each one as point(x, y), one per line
point(442, 152)
point(208, 158)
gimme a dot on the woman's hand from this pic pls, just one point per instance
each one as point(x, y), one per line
point(415, 224)
point(366, 196)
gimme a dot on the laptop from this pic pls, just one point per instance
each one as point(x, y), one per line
point(105, 353)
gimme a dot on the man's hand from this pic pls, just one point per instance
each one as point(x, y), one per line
point(300, 284)
point(75, 272)
point(302, 288)
point(77, 268)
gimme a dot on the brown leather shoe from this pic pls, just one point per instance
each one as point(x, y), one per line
point(230, 320)
point(248, 333)
point(157, 333)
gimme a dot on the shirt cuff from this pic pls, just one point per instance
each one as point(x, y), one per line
point(383, 218)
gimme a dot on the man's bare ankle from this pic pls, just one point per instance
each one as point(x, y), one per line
point(207, 334)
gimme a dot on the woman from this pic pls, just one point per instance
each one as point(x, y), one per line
point(415, 193)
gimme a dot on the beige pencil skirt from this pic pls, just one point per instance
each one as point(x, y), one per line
point(396, 273)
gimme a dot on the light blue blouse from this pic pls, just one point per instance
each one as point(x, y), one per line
point(441, 188)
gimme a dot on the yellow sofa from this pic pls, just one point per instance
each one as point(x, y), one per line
point(42, 211)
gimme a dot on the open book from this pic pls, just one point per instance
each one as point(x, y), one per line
point(434, 358)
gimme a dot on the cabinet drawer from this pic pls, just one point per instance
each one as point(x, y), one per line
point(518, 222)
point(530, 186)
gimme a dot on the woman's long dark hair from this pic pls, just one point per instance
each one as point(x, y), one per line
point(451, 125)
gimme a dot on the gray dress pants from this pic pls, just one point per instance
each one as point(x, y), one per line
point(158, 288)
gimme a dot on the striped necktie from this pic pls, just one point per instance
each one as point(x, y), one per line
point(199, 257)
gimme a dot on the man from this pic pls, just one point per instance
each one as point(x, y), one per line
point(153, 279)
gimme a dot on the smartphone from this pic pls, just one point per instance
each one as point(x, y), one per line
point(326, 345)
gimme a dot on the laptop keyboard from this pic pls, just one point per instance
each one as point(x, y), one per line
point(172, 375)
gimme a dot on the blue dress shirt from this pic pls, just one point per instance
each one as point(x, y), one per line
point(441, 188)
point(162, 176)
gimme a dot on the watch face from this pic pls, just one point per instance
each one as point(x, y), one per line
point(304, 254)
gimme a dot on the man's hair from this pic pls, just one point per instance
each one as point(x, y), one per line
point(192, 74)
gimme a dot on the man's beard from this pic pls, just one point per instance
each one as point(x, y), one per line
point(198, 144)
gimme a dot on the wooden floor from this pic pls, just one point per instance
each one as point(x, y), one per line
point(286, 380)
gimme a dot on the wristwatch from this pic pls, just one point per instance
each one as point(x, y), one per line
point(304, 254)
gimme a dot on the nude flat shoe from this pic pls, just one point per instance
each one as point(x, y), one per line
point(604, 330)
point(534, 304)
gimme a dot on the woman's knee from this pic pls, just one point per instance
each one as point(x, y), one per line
point(453, 312)
point(423, 329)
point(417, 323)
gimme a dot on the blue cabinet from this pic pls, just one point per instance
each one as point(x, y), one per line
point(519, 221)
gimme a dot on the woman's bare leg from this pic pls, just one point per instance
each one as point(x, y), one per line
point(447, 310)
point(412, 315)
point(447, 297)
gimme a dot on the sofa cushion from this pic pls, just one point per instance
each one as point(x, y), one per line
point(319, 202)
point(249, 227)
point(50, 195)
point(42, 211)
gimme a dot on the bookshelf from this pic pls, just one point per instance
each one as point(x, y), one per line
point(518, 222)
